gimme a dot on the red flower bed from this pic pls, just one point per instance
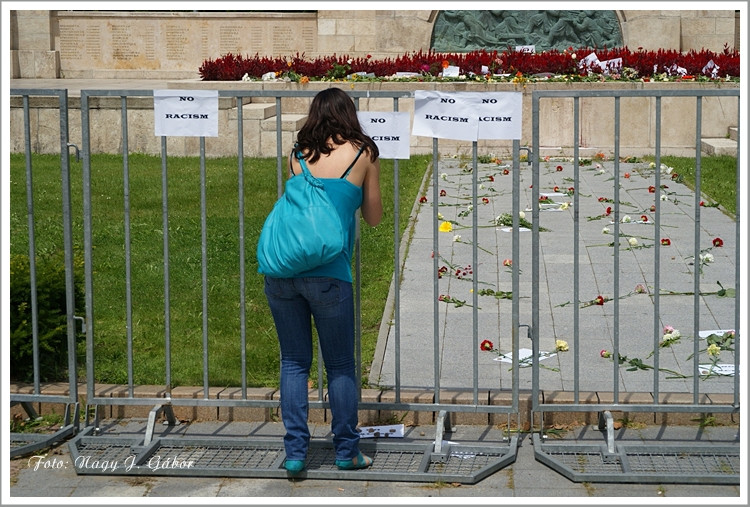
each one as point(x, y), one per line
point(482, 64)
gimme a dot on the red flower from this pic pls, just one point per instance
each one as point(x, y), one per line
point(571, 189)
point(599, 300)
point(423, 199)
point(443, 193)
point(556, 189)
point(486, 345)
point(609, 210)
point(602, 199)
point(675, 176)
point(651, 189)
point(718, 242)
point(485, 200)
point(492, 178)
point(702, 203)
point(627, 175)
point(666, 241)
point(506, 172)
point(559, 168)
point(508, 262)
point(644, 218)
point(653, 207)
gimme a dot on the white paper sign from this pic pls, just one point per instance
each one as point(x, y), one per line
point(451, 71)
point(500, 114)
point(389, 130)
point(468, 116)
point(444, 115)
point(186, 113)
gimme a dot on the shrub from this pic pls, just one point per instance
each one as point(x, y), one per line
point(640, 64)
point(51, 322)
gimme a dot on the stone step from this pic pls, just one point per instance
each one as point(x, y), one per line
point(254, 111)
point(733, 133)
point(719, 146)
point(289, 122)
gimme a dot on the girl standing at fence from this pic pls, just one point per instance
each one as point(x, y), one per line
point(335, 149)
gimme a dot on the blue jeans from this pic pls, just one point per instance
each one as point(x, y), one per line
point(293, 302)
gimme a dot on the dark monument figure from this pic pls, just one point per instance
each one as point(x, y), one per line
point(460, 31)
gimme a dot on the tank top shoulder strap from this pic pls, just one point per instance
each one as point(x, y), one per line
point(346, 173)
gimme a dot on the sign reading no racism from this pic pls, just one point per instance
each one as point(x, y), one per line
point(467, 116)
point(390, 131)
point(186, 113)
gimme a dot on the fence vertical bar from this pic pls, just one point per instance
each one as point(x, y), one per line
point(126, 227)
point(397, 272)
point(475, 277)
point(616, 281)
point(697, 259)
point(576, 251)
point(737, 263)
point(32, 245)
point(515, 277)
point(204, 263)
point(534, 331)
point(70, 301)
point(165, 242)
point(87, 246)
point(435, 285)
point(657, 248)
point(241, 239)
point(278, 148)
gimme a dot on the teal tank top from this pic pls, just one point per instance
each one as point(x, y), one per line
point(347, 197)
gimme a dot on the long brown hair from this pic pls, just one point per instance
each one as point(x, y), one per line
point(332, 116)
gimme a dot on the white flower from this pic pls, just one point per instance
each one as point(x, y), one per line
point(605, 230)
point(444, 176)
point(600, 171)
point(626, 219)
point(652, 165)
point(564, 205)
point(573, 56)
point(349, 61)
point(521, 215)
point(663, 197)
point(440, 216)
point(481, 186)
point(456, 238)
point(706, 258)
point(470, 207)
point(632, 241)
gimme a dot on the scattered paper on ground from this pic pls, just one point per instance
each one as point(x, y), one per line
point(524, 357)
point(387, 431)
point(716, 369)
point(705, 334)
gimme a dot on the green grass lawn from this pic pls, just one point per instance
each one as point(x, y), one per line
point(222, 254)
point(185, 261)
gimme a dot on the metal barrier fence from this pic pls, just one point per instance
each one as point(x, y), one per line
point(24, 443)
point(587, 462)
point(440, 460)
point(445, 461)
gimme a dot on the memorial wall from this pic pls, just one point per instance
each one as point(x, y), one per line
point(172, 45)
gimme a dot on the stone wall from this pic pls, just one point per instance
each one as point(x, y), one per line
point(172, 45)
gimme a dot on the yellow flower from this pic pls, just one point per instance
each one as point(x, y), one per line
point(446, 227)
point(713, 350)
point(561, 345)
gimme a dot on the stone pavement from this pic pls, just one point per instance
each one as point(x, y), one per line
point(596, 192)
